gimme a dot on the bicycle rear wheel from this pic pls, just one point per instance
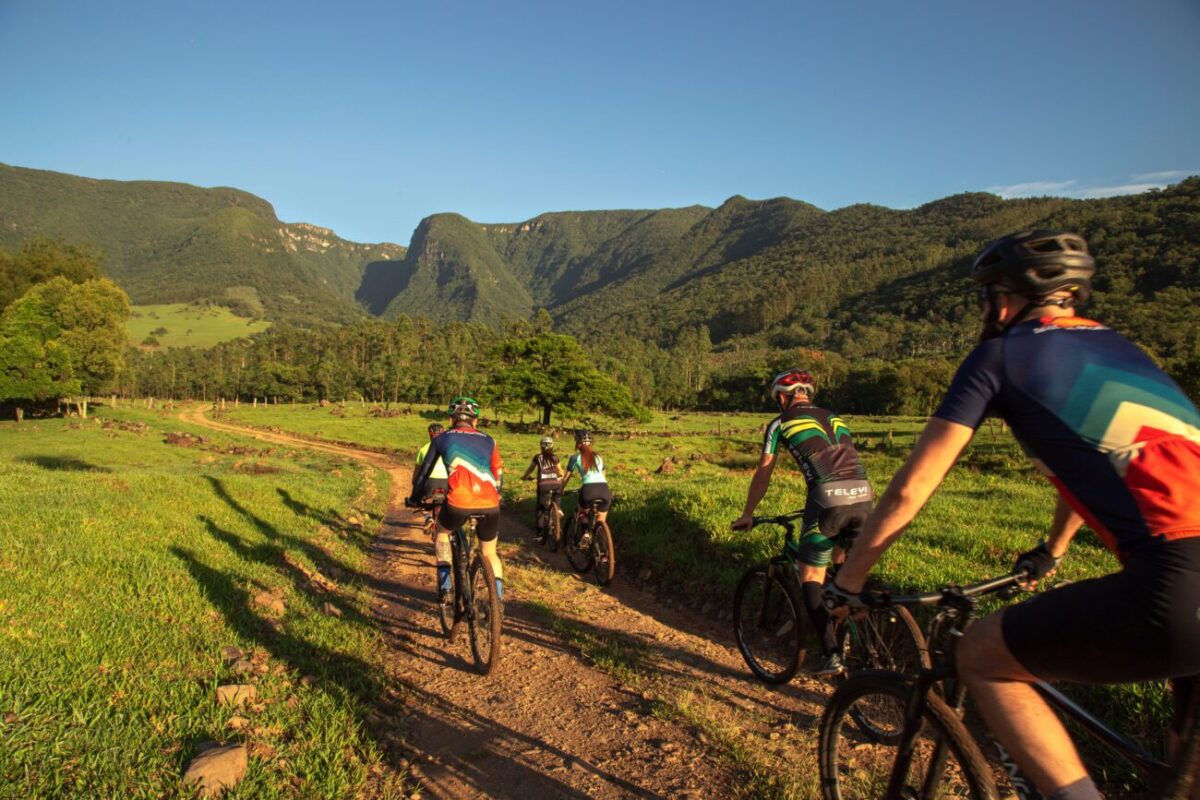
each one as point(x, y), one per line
point(580, 557)
point(856, 765)
point(604, 561)
point(554, 528)
point(768, 625)
point(484, 617)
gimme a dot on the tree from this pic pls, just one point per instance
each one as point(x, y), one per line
point(41, 259)
point(551, 370)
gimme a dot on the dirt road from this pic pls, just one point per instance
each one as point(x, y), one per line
point(600, 692)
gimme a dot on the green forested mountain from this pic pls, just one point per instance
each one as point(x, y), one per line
point(171, 242)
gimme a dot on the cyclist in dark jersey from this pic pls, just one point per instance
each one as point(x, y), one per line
point(549, 479)
point(1121, 444)
point(839, 495)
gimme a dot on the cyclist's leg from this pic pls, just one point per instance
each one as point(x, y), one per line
point(487, 531)
point(447, 521)
point(812, 557)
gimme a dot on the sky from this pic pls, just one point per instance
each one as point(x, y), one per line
point(367, 116)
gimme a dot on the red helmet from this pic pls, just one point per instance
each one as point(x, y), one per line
point(792, 381)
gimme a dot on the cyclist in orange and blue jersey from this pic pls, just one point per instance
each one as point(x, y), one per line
point(1120, 441)
point(475, 472)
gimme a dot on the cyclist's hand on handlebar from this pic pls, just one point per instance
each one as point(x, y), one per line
point(1036, 564)
point(410, 503)
point(742, 523)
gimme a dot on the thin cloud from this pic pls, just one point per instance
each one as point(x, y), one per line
point(1073, 188)
point(1167, 175)
point(1113, 191)
point(1033, 189)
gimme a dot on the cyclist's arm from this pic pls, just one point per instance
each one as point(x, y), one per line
point(528, 472)
point(1066, 524)
point(422, 474)
point(934, 454)
point(758, 487)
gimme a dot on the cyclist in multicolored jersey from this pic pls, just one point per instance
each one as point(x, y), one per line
point(475, 473)
point(438, 483)
point(839, 495)
point(588, 464)
point(549, 479)
point(1121, 443)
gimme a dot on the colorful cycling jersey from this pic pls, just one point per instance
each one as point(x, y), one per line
point(1116, 436)
point(548, 470)
point(473, 461)
point(593, 475)
point(821, 444)
point(439, 469)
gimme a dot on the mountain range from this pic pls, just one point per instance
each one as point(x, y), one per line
point(861, 280)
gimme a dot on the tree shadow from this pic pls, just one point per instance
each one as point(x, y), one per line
point(330, 518)
point(61, 464)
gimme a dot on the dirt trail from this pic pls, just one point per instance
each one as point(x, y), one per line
point(599, 693)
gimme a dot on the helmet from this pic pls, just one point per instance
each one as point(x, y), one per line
point(436, 427)
point(546, 443)
point(1037, 263)
point(463, 408)
point(792, 381)
point(583, 436)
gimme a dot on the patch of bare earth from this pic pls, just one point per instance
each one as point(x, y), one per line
point(600, 692)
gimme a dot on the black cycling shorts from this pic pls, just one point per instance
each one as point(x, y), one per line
point(544, 490)
point(1139, 624)
point(823, 528)
point(590, 492)
point(486, 530)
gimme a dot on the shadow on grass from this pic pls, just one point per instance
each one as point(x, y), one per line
point(61, 464)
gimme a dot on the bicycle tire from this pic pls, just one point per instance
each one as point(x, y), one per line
point(769, 625)
point(856, 766)
point(450, 613)
point(604, 557)
point(580, 558)
point(554, 529)
point(886, 639)
point(484, 619)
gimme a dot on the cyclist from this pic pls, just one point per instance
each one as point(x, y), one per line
point(590, 467)
point(438, 483)
point(839, 495)
point(549, 479)
point(1121, 444)
point(475, 473)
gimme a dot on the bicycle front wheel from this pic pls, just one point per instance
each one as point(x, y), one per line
point(768, 625)
point(580, 557)
point(857, 765)
point(450, 606)
point(554, 528)
point(883, 639)
point(484, 619)
point(604, 562)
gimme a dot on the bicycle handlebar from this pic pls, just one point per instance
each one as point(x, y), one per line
point(783, 519)
point(945, 595)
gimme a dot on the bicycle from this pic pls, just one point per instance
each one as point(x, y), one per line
point(770, 623)
point(472, 597)
point(549, 521)
point(843, 768)
point(588, 543)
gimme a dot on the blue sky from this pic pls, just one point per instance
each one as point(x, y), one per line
point(365, 117)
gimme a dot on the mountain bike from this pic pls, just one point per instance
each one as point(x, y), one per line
point(589, 544)
point(932, 754)
point(772, 629)
point(549, 521)
point(473, 598)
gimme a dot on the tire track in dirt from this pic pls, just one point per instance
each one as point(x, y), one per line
point(599, 693)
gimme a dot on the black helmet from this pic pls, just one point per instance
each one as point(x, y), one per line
point(436, 427)
point(583, 436)
point(1037, 264)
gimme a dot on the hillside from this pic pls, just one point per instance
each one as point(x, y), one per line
point(172, 242)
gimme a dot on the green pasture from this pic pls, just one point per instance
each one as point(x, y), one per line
point(127, 564)
point(188, 325)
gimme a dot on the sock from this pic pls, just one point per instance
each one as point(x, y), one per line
point(821, 621)
point(1082, 789)
point(499, 588)
point(443, 577)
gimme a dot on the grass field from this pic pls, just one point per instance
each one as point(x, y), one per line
point(127, 564)
point(675, 526)
point(189, 325)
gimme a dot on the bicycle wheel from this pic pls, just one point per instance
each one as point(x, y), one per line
point(857, 766)
point(554, 529)
point(484, 619)
point(450, 608)
point(580, 557)
point(604, 561)
point(884, 639)
point(769, 625)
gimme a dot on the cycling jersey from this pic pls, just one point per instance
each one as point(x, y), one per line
point(821, 444)
point(593, 475)
point(547, 468)
point(1116, 436)
point(439, 469)
point(473, 462)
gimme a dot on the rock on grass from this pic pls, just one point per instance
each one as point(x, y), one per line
point(236, 694)
point(270, 602)
point(216, 768)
